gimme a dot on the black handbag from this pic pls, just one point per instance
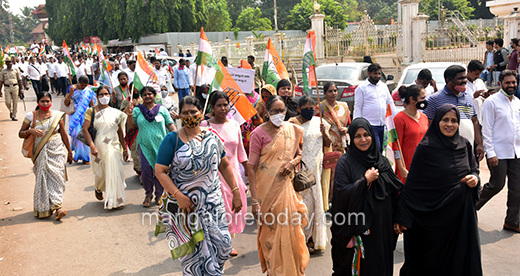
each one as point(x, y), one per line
point(91, 130)
point(303, 179)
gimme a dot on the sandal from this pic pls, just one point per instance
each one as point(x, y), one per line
point(158, 200)
point(147, 201)
point(310, 246)
point(233, 253)
point(86, 162)
point(119, 208)
point(99, 195)
point(60, 214)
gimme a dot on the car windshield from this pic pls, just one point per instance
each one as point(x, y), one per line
point(337, 73)
point(411, 75)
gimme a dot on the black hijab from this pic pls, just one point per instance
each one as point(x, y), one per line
point(434, 192)
point(434, 137)
point(387, 182)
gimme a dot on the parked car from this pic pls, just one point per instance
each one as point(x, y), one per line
point(174, 61)
point(410, 75)
point(347, 77)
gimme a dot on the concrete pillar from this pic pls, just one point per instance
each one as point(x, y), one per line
point(410, 8)
point(317, 26)
point(418, 43)
point(249, 45)
point(511, 26)
point(227, 47)
point(277, 42)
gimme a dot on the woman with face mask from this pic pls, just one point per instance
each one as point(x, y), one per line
point(188, 167)
point(315, 138)
point(284, 89)
point(436, 209)
point(229, 131)
point(153, 122)
point(411, 125)
point(107, 150)
point(267, 91)
point(274, 152)
point(51, 151)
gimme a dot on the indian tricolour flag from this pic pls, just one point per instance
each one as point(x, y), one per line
point(240, 107)
point(390, 134)
point(274, 70)
point(309, 62)
point(205, 55)
point(68, 59)
point(144, 73)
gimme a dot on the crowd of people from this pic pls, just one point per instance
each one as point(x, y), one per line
point(206, 166)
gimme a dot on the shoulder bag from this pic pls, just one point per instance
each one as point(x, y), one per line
point(330, 159)
point(28, 142)
point(69, 110)
point(91, 130)
point(304, 179)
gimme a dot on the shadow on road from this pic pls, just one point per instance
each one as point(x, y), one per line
point(165, 267)
point(493, 236)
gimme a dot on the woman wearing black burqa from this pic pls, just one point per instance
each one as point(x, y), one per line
point(365, 195)
point(436, 210)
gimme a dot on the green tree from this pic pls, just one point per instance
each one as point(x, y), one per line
point(251, 20)
point(379, 9)
point(218, 19)
point(335, 14)
point(235, 7)
point(283, 10)
point(430, 7)
point(26, 22)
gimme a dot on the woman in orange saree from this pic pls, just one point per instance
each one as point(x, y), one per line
point(275, 150)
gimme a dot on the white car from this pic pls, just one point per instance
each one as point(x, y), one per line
point(410, 73)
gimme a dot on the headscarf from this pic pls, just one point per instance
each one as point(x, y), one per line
point(434, 137)
point(434, 193)
point(387, 182)
point(261, 103)
point(283, 83)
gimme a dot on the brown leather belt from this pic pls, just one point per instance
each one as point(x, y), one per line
point(11, 85)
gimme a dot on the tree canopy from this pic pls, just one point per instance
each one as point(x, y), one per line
point(22, 25)
point(430, 7)
point(337, 13)
point(251, 20)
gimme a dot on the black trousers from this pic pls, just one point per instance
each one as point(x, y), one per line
point(497, 181)
point(62, 86)
point(90, 79)
point(37, 86)
point(54, 84)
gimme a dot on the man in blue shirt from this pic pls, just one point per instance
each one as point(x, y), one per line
point(455, 93)
point(181, 79)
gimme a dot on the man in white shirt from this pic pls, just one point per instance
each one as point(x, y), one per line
point(35, 47)
point(34, 74)
point(425, 79)
point(89, 70)
point(124, 62)
point(22, 66)
point(161, 73)
point(130, 70)
point(371, 100)
point(45, 74)
point(51, 68)
point(501, 135)
point(61, 76)
point(476, 86)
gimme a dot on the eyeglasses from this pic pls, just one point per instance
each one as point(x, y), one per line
point(277, 111)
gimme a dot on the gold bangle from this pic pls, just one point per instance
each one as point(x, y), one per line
point(175, 193)
point(236, 188)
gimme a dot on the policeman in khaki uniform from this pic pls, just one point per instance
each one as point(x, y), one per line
point(11, 80)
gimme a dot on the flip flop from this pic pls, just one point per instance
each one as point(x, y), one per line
point(233, 253)
point(99, 195)
point(147, 201)
point(60, 214)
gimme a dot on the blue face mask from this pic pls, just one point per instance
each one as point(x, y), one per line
point(307, 113)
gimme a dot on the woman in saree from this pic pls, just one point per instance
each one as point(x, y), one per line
point(188, 167)
point(82, 97)
point(51, 151)
point(267, 91)
point(365, 196)
point(315, 138)
point(275, 151)
point(131, 134)
point(229, 131)
point(108, 150)
point(153, 122)
point(436, 210)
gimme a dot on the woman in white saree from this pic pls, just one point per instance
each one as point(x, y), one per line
point(107, 150)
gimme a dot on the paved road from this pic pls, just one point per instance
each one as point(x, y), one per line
point(94, 241)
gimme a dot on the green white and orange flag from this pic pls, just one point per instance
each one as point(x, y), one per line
point(240, 106)
point(205, 55)
point(309, 62)
point(6, 50)
point(144, 73)
point(390, 138)
point(274, 70)
point(42, 51)
point(68, 59)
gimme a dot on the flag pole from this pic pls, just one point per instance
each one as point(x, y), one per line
point(206, 104)
point(195, 84)
point(318, 92)
point(132, 92)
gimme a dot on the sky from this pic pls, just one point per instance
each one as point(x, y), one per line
point(16, 5)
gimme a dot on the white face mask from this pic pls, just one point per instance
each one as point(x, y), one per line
point(277, 119)
point(204, 95)
point(164, 94)
point(104, 100)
